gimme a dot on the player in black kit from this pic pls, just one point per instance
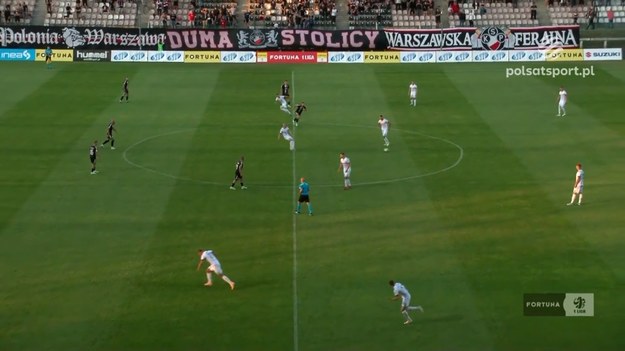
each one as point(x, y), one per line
point(93, 155)
point(238, 174)
point(125, 92)
point(109, 134)
point(285, 91)
point(299, 109)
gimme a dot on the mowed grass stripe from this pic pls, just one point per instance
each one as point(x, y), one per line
point(530, 238)
point(249, 230)
point(20, 80)
point(349, 251)
point(92, 234)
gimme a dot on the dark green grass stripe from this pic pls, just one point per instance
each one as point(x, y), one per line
point(38, 130)
point(506, 230)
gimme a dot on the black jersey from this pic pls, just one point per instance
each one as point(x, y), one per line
point(238, 167)
point(93, 151)
point(285, 89)
point(110, 129)
point(300, 108)
point(125, 85)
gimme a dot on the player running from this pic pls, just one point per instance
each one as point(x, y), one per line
point(284, 105)
point(412, 88)
point(124, 90)
point(400, 292)
point(238, 174)
point(346, 165)
point(286, 134)
point(562, 97)
point(384, 126)
point(299, 109)
point(109, 135)
point(284, 89)
point(213, 267)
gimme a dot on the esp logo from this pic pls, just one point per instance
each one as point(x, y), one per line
point(445, 57)
point(498, 56)
point(157, 57)
point(426, 57)
point(535, 56)
point(409, 57)
point(517, 56)
point(481, 56)
point(120, 56)
point(229, 57)
point(337, 57)
point(137, 56)
point(354, 57)
point(247, 57)
point(462, 57)
point(174, 56)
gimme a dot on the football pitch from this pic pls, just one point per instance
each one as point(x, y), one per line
point(466, 209)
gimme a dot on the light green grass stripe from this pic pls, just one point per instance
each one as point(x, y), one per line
point(66, 293)
point(18, 82)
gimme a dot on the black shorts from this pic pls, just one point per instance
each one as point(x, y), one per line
point(92, 158)
point(237, 175)
point(48, 57)
point(303, 198)
point(126, 91)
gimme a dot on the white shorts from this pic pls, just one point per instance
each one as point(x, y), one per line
point(347, 173)
point(405, 302)
point(215, 268)
point(384, 132)
point(288, 138)
point(562, 103)
point(413, 95)
point(578, 189)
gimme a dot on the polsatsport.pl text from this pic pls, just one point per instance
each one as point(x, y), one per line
point(552, 72)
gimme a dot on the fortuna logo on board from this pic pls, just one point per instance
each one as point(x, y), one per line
point(292, 57)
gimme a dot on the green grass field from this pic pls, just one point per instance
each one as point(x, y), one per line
point(467, 209)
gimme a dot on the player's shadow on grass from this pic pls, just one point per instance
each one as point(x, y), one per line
point(439, 319)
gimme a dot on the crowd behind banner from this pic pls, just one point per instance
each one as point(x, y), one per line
point(491, 38)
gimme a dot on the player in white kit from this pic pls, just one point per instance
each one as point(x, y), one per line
point(562, 97)
point(413, 93)
point(384, 126)
point(284, 105)
point(578, 186)
point(346, 165)
point(286, 134)
point(213, 267)
point(400, 292)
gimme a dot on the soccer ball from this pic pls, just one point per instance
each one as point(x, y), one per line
point(385, 149)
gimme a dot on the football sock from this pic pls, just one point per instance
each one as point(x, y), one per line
point(292, 144)
point(299, 206)
point(405, 313)
point(209, 277)
point(112, 142)
point(226, 279)
point(579, 201)
point(296, 120)
point(106, 141)
point(386, 141)
point(573, 198)
point(92, 169)
point(309, 208)
point(414, 308)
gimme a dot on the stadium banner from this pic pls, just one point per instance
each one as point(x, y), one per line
point(57, 55)
point(322, 57)
point(489, 38)
point(17, 54)
point(346, 57)
point(490, 56)
point(238, 56)
point(287, 57)
point(129, 56)
point(603, 54)
point(165, 56)
point(417, 56)
point(382, 57)
point(564, 55)
point(202, 56)
point(527, 56)
point(92, 55)
point(454, 56)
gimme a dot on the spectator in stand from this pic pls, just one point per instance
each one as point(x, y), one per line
point(68, 11)
point(78, 10)
point(482, 10)
point(610, 15)
point(172, 19)
point(471, 17)
point(463, 18)
point(333, 14)
point(164, 19)
point(26, 13)
point(49, 6)
point(7, 13)
point(191, 17)
point(437, 16)
point(455, 8)
point(533, 9)
point(159, 7)
point(575, 17)
point(591, 18)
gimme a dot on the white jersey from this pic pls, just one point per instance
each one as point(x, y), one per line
point(347, 166)
point(413, 90)
point(383, 124)
point(580, 175)
point(283, 103)
point(210, 257)
point(286, 133)
point(563, 96)
point(400, 290)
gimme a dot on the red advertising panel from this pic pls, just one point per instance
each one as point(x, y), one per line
point(291, 57)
